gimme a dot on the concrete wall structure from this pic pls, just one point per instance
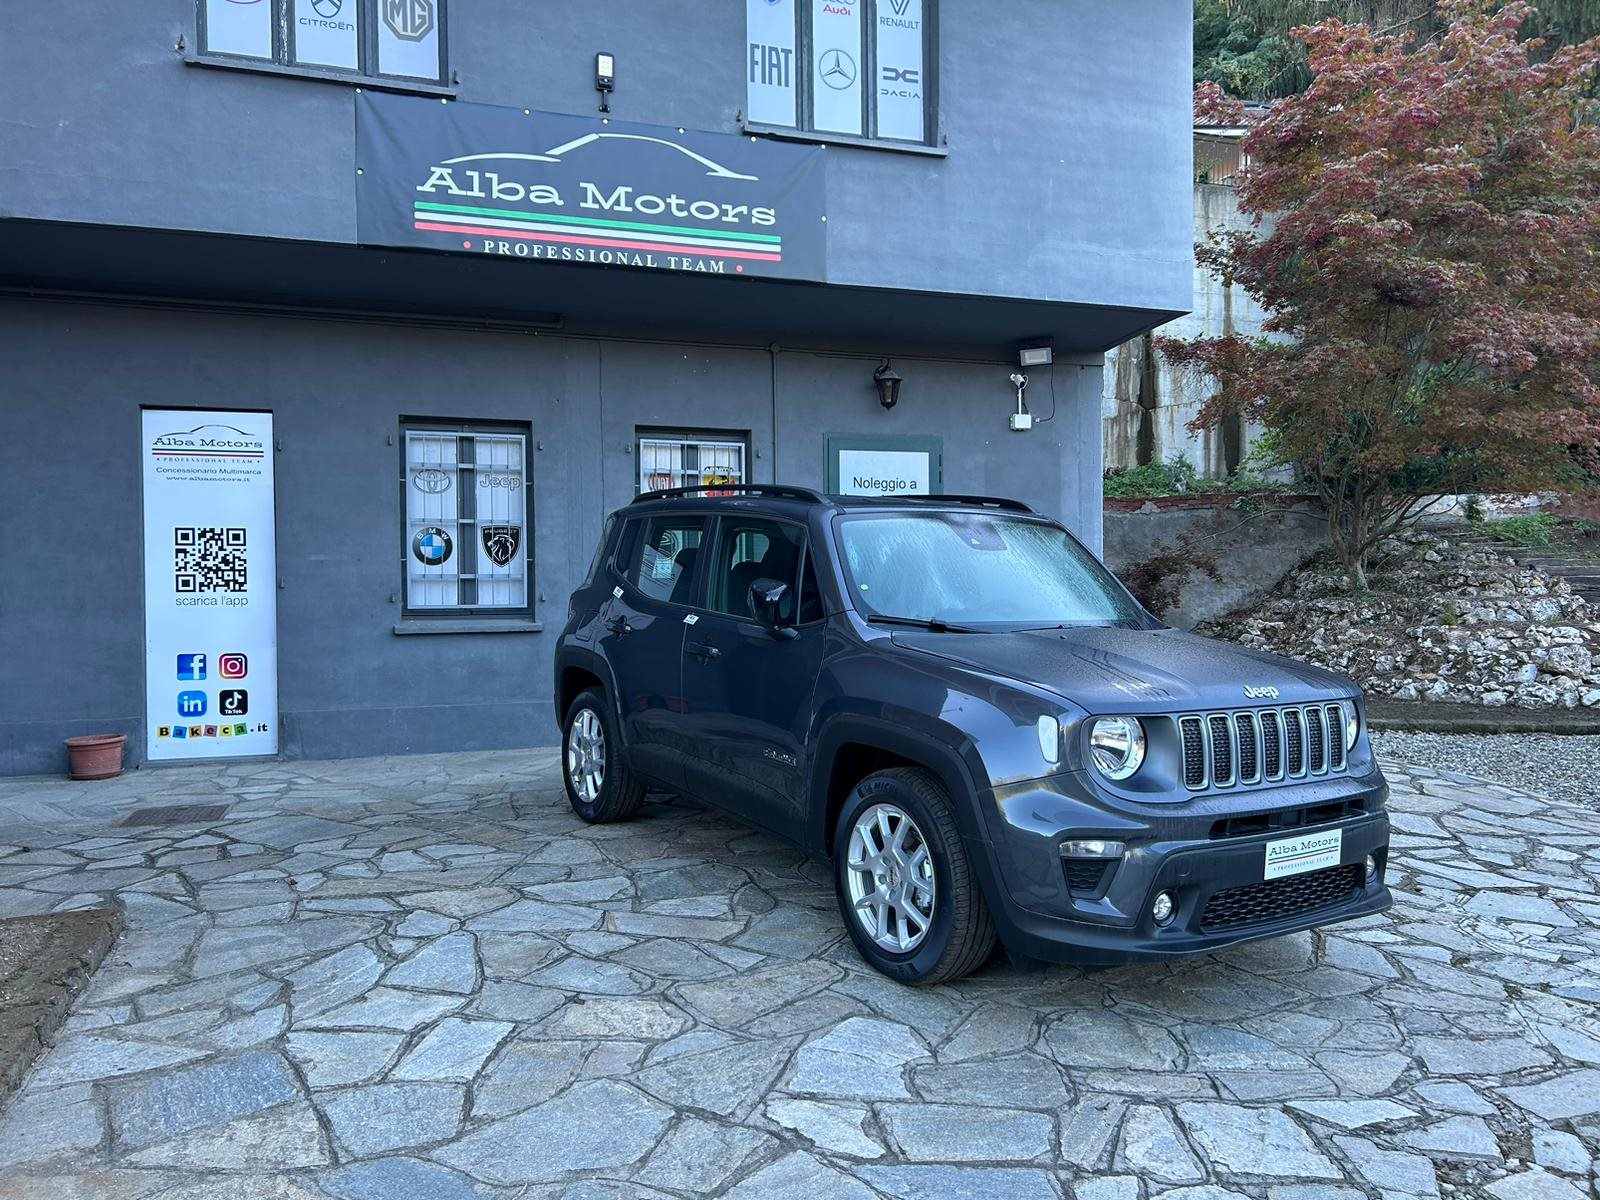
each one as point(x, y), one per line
point(179, 235)
point(1147, 403)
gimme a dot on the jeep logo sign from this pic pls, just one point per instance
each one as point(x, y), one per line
point(481, 179)
point(1261, 693)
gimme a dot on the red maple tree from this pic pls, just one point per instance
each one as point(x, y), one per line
point(1426, 244)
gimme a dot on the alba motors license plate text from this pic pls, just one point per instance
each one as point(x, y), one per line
point(1308, 852)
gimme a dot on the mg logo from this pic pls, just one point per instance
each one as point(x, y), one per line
point(411, 20)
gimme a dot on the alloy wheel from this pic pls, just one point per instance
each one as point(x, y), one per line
point(586, 755)
point(892, 890)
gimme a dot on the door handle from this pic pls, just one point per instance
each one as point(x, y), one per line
point(703, 650)
point(619, 626)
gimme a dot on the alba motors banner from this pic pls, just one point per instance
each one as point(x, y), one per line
point(210, 580)
point(481, 179)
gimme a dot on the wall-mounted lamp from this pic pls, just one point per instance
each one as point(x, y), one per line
point(888, 382)
point(605, 77)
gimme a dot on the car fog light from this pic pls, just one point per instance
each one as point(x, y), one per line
point(1092, 849)
point(1372, 869)
point(1164, 908)
point(1116, 746)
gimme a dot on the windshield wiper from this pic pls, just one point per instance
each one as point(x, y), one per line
point(935, 625)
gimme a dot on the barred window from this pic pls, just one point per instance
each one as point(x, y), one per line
point(684, 458)
point(374, 39)
point(860, 68)
point(467, 538)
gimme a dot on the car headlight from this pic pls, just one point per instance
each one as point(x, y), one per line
point(1116, 744)
point(1352, 723)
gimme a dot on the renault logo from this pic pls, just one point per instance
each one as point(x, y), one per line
point(837, 69)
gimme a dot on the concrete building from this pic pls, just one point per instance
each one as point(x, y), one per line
point(444, 281)
point(1147, 403)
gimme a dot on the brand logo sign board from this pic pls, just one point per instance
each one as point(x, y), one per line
point(210, 583)
point(481, 179)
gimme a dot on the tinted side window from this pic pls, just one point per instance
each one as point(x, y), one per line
point(749, 549)
point(662, 565)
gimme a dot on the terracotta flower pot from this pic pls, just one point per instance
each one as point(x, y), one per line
point(96, 755)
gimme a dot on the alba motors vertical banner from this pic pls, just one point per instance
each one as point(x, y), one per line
point(210, 585)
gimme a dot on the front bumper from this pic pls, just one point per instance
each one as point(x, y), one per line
point(1193, 851)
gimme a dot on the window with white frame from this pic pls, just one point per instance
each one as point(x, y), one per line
point(858, 68)
point(466, 543)
point(683, 458)
point(375, 39)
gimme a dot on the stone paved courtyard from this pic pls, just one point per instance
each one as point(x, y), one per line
point(423, 977)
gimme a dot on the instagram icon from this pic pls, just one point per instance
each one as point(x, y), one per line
point(233, 666)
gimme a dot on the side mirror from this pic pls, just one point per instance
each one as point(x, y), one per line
point(766, 600)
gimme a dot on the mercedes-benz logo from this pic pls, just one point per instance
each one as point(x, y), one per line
point(836, 69)
point(327, 9)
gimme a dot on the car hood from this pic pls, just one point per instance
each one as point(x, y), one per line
point(1104, 669)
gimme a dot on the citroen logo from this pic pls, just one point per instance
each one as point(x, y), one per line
point(836, 69)
point(327, 9)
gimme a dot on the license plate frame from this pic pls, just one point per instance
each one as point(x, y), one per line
point(1311, 851)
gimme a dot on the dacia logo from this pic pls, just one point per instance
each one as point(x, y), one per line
point(1261, 693)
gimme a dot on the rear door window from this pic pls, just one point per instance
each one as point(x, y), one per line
point(663, 560)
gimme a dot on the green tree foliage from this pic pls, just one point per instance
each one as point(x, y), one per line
point(1426, 246)
point(1247, 47)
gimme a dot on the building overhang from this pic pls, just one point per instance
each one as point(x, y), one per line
point(485, 291)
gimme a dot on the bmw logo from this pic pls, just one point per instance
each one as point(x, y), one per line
point(432, 546)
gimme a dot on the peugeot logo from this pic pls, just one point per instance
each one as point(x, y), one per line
point(327, 9)
point(837, 69)
point(1260, 693)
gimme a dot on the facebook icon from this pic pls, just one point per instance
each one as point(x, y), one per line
point(191, 704)
point(192, 667)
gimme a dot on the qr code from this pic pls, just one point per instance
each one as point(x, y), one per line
point(209, 560)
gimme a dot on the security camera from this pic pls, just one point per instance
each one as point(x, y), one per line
point(1019, 380)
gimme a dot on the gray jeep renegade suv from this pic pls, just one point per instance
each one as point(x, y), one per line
point(954, 702)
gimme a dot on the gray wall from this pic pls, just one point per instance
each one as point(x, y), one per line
point(1068, 122)
point(71, 622)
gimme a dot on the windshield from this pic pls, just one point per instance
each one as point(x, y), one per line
point(978, 569)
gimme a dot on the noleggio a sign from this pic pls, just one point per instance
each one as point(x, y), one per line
point(482, 179)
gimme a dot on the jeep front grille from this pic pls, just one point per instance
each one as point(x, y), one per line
point(1265, 745)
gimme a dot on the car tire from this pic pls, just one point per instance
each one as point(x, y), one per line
point(589, 740)
point(958, 935)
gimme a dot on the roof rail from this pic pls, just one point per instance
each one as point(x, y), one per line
point(985, 501)
point(751, 489)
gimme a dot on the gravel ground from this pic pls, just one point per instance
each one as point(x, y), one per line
point(1567, 768)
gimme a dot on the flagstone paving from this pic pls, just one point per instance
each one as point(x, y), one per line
point(423, 978)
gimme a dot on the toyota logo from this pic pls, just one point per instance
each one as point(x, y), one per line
point(836, 69)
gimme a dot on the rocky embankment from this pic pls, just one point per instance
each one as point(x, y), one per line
point(1446, 620)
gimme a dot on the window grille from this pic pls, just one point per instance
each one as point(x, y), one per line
point(467, 539)
point(670, 460)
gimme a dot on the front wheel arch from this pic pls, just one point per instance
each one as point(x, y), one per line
point(848, 745)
